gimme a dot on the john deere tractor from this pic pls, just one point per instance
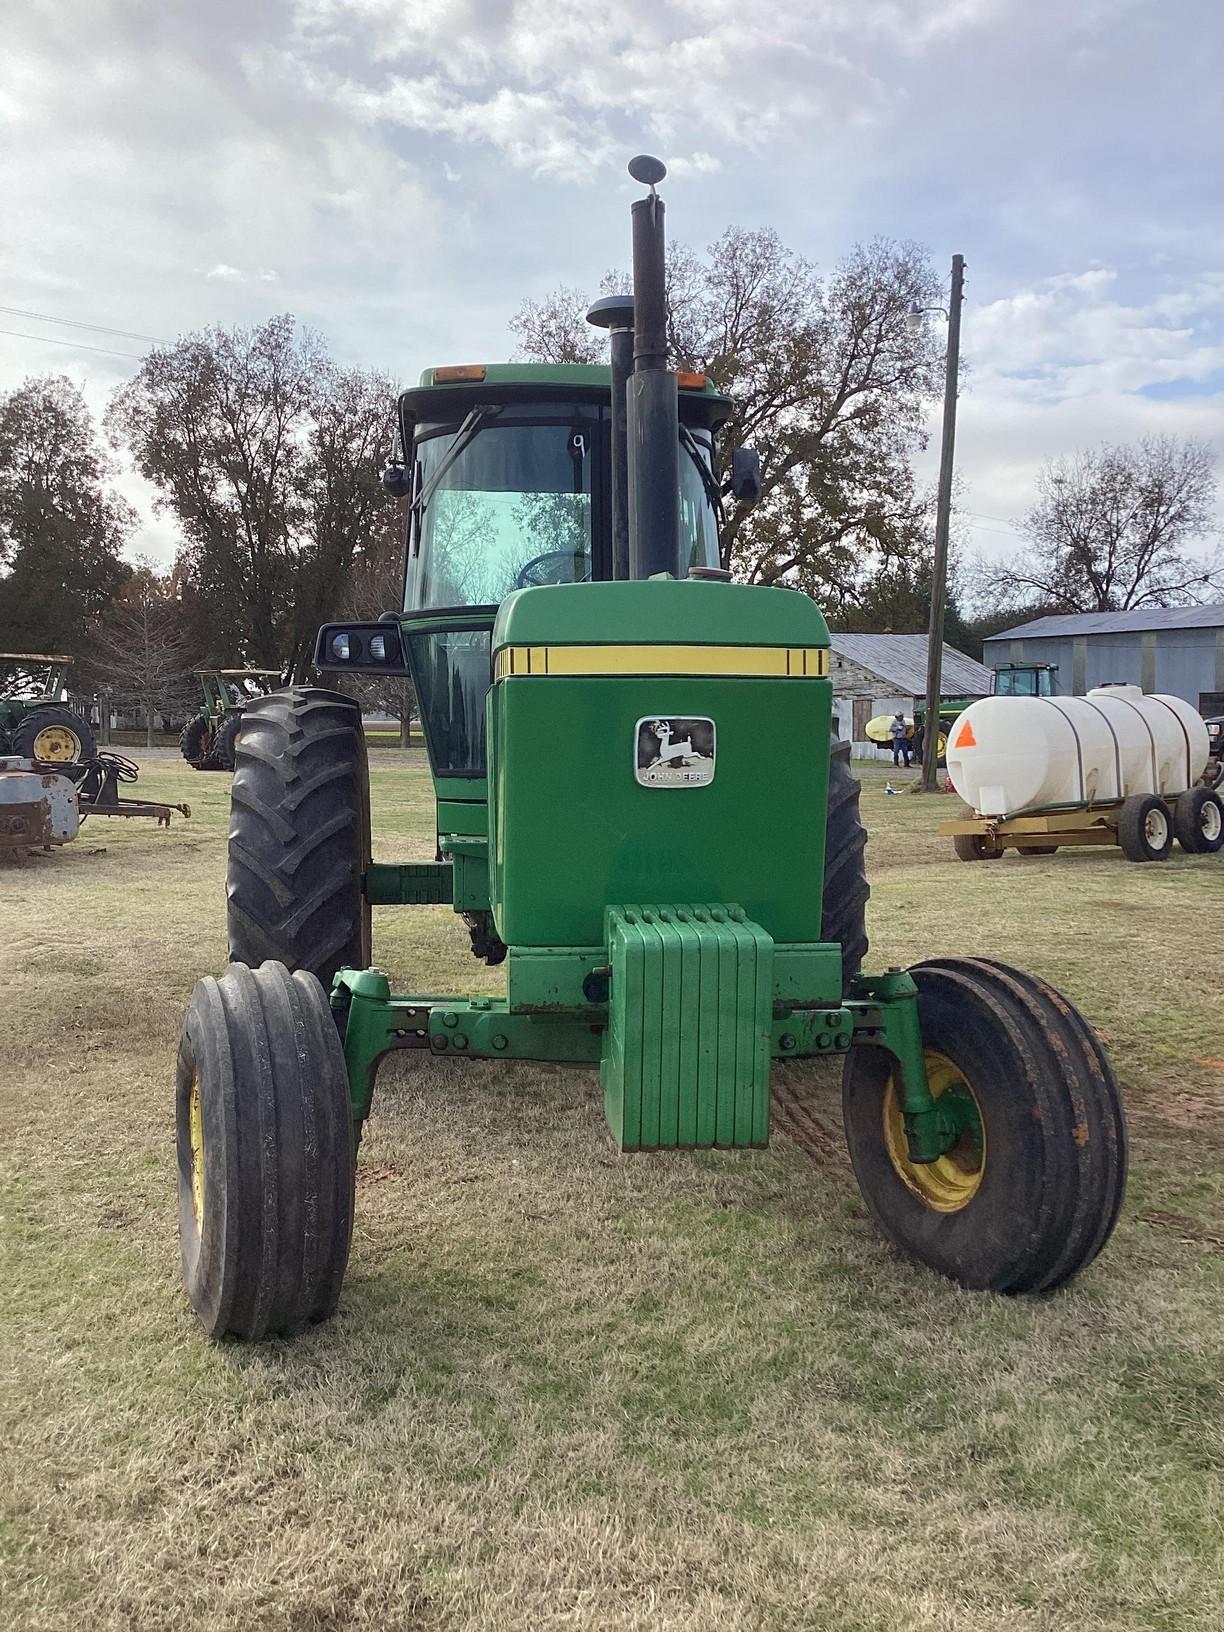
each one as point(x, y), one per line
point(640, 810)
point(206, 742)
point(36, 720)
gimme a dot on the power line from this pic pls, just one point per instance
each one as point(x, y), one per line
point(74, 323)
point(76, 345)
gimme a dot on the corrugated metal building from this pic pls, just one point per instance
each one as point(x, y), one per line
point(879, 674)
point(1174, 649)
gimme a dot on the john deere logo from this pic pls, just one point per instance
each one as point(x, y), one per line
point(674, 753)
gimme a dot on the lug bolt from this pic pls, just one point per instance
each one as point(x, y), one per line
point(786, 1040)
point(500, 1042)
point(450, 1019)
point(458, 1040)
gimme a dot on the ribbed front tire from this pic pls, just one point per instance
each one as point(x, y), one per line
point(1033, 1193)
point(265, 1153)
point(299, 836)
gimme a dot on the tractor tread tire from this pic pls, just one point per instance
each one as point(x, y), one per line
point(1188, 821)
point(39, 719)
point(222, 756)
point(267, 1255)
point(195, 742)
point(299, 835)
point(846, 891)
point(1054, 1172)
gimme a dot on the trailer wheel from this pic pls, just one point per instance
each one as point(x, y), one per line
point(1031, 1192)
point(265, 1153)
point(299, 835)
point(56, 735)
point(844, 906)
point(1198, 821)
point(975, 847)
point(1145, 831)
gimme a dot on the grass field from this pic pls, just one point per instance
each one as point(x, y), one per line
point(569, 1389)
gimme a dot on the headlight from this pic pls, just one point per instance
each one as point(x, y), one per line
point(341, 649)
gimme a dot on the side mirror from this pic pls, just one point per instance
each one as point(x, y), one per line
point(397, 481)
point(745, 480)
point(361, 648)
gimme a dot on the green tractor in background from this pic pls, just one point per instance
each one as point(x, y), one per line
point(207, 741)
point(642, 810)
point(36, 721)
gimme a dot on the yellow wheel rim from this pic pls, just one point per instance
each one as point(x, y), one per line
point(196, 1121)
point(950, 1183)
point(57, 743)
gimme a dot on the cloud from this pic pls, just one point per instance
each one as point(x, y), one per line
point(221, 273)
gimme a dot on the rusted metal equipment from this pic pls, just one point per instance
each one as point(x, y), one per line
point(43, 805)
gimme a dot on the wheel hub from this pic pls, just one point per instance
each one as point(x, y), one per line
point(1209, 821)
point(952, 1180)
point(56, 744)
point(196, 1123)
point(1156, 828)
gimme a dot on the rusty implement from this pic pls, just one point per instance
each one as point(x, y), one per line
point(43, 807)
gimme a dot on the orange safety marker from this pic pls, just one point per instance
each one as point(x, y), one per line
point(966, 739)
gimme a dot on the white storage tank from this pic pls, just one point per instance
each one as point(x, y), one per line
point(1007, 755)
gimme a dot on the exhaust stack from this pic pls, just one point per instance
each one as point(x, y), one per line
point(653, 429)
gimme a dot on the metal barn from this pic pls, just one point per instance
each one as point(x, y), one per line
point(1174, 649)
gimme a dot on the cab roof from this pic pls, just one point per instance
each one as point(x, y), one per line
point(548, 382)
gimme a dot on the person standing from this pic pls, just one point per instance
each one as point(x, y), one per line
point(898, 731)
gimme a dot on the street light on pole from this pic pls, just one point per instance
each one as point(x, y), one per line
point(943, 515)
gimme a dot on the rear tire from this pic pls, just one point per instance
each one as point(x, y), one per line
point(299, 836)
point(1198, 821)
point(55, 735)
point(265, 1153)
point(844, 910)
point(1145, 830)
point(1041, 1196)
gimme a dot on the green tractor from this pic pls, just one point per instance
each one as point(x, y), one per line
point(207, 741)
point(641, 810)
point(36, 721)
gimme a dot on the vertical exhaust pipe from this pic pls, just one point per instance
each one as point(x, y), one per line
point(653, 417)
point(615, 313)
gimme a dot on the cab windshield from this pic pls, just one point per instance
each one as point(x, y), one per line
point(1024, 683)
point(511, 510)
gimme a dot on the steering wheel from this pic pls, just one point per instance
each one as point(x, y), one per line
point(557, 556)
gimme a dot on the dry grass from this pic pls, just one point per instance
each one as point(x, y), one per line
point(567, 1389)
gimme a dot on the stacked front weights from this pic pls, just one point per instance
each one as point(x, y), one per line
point(639, 798)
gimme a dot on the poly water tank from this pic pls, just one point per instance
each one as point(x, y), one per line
point(1012, 754)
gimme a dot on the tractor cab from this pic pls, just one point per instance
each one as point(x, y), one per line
point(1025, 679)
point(510, 481)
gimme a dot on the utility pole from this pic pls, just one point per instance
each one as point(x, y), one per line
point(943, 514)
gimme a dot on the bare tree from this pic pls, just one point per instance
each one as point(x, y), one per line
point(269, 457)
point(829, 384)
point(1111, 529)
point(140, 657)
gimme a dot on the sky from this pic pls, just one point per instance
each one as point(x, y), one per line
point(401, 174)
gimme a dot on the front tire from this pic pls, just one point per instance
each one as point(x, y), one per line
point(1145, 831)
point(975, 847)
point(299, 836)
point(265, 1153)
point(1031, 1192)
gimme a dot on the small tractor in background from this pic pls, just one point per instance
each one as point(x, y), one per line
point(36, 720)
point(642, 809)
point(206, 742)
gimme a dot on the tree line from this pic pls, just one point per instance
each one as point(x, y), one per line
point(267, 456)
